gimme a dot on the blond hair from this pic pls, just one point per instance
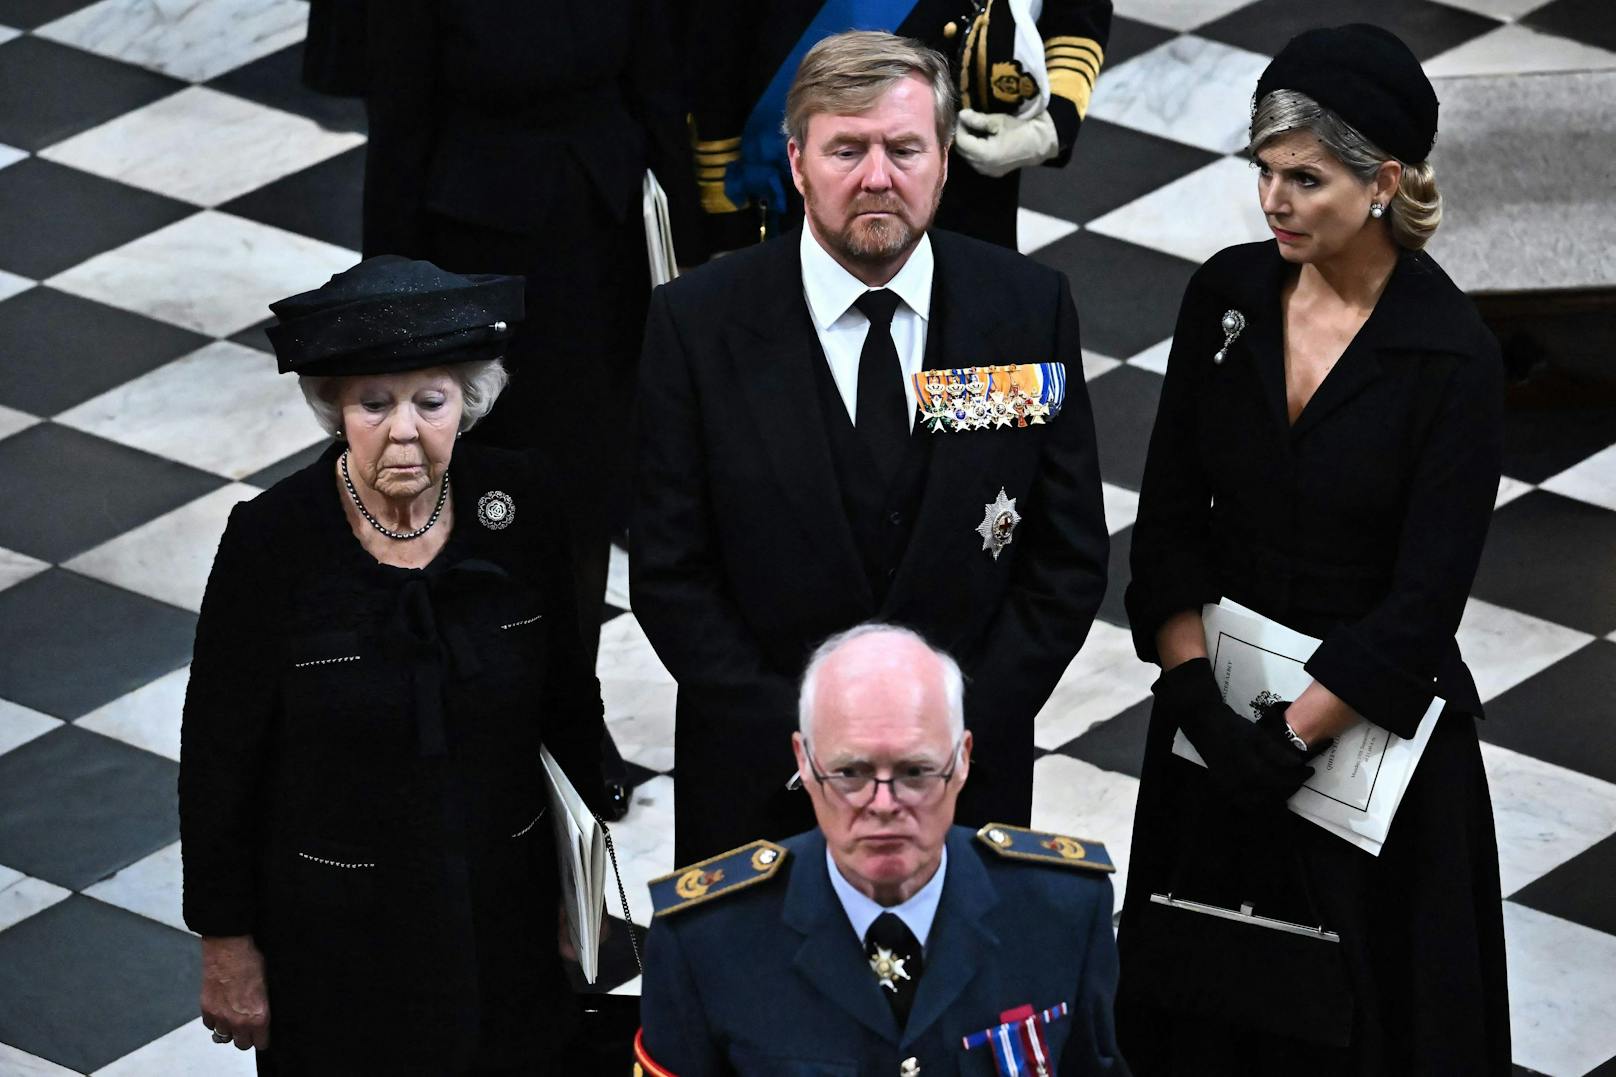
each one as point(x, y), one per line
point(847, 73)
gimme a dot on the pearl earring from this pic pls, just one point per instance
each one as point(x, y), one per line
point(1376, 210)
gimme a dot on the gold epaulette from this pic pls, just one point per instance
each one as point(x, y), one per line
point(717, 876)
point(1019, 843)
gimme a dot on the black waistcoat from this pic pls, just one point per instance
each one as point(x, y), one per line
point(881, 514)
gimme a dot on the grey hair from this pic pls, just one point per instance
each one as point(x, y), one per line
point(481, 381)
point(1416, 209)
point(953, 679)
point(846, 74)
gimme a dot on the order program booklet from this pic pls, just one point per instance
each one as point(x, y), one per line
point(581, 854)
point(1359, 781)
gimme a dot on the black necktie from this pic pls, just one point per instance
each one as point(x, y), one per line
point(896, 962)
point(883, 406)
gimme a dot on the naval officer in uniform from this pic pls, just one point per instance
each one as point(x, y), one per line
point(887, 940)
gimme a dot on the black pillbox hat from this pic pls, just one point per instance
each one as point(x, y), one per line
point(390, 314)
point(1368, 77)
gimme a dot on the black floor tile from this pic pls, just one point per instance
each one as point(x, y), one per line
point(277, 81)
point(1129, 38)
point(1118, 743)
point(1127, 296)
point(57, 350)
point(609, 612)
point(27, 14)
point(1578, 890)
point(1549, 556)
point(1593, 22)
point(1427, 28)
point(1124, 401)
point(73, 644)
point(1565, 714)
point(638, 775)
point(87, 215)
point(1117, 574)
point(1111, 166)
point(49, 92)
point(86, 983)
point(96, 490)
point(1606, 1068)
point(322, 201)
point(254, 337)
point(276, 472)
point(77, 806)
point(1543, 441)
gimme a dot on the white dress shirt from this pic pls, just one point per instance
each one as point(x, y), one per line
point(917, 913)
point(831, 290)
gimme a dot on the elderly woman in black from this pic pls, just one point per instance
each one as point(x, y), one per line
point(381, 653)
point(1326, 453)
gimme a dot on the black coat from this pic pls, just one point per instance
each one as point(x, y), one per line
point(746, 556)
point(359, 775)
point(1361, 524)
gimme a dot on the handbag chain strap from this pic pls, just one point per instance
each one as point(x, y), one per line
point(622, 894)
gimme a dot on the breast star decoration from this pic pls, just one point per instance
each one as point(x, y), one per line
point(888, 968)
point(999, 524)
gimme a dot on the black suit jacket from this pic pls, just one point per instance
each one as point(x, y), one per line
point(743, 554)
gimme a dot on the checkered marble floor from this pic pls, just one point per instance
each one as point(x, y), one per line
point(163, 176)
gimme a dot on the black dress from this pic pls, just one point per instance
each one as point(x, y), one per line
point(360, 787)
point(1362, 525)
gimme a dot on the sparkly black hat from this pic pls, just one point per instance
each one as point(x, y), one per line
point(1368, 77)
point(389, 314)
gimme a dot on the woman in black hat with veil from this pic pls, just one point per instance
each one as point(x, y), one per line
point(1326, 453)
point(387, 639)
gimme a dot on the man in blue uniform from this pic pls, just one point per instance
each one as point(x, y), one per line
point(887, 941)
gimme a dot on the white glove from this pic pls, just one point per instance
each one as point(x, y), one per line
point(997, 144)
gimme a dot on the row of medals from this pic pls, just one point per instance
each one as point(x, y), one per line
point(969, 405)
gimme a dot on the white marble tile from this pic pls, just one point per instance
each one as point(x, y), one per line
point(21, 899)
point(150, 886)
point(1105, 678)
point(167, 558)
point(617, 578)
point(1035, 230)
point(195, 40)
point(1188, 89)
point(188, 1051)
point(1509, 489)
point(148, 717)
point(19, 725)
point(1072, 797)
point(1503, 647)
point(10, 155)
point(1095, 364)
point(10, 876)
point(7, 33)
point(16, 567)
point(1561, 992)
point(1196, 215)
point(1121, 506)
point(15, 1062)
point(1177, 14)
point(1498, 9)
point(222, 408)
point(10, 283)
point(1154, 358)
point(1593, 480)
point(201, 145)
point(632, 987)
point(644, 841)
point(639, 694)
point(211, 272)
point(1544, 814)
point(1518, 50)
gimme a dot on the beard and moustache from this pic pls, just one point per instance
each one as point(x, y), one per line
point(872, 241)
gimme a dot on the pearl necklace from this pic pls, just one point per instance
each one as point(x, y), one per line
point(443, 495)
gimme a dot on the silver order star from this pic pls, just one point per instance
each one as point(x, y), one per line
point(888, 968)
point(999, 523)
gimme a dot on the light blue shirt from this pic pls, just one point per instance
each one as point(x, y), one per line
point(917, 913)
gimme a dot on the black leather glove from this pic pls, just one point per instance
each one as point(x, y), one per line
point(1248, 763)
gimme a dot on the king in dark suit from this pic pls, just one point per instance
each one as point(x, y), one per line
point(786, 489)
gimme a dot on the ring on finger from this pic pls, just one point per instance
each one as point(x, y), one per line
point(221, 1037)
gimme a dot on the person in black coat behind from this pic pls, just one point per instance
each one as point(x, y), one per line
point(1326, 452)
point(380, 656)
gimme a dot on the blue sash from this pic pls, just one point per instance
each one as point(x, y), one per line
point(763, 173)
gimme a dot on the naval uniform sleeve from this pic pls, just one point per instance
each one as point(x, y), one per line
point(230, 706)
point(723, 37)
point(676, 576)
point(1059, 579)
point(674, 1030)
point(402, 109)
point(655, 93)
point(1170, 560)
point(1384, 664)
point(1095, 1011)
point(1075, 34)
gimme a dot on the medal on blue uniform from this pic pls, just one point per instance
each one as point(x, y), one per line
point(1018, 1043)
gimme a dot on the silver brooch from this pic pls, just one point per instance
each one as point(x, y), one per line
point(496, 510)
point(1233, 323)
point(999, 524)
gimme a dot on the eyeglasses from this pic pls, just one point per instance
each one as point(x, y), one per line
point(858, 785)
